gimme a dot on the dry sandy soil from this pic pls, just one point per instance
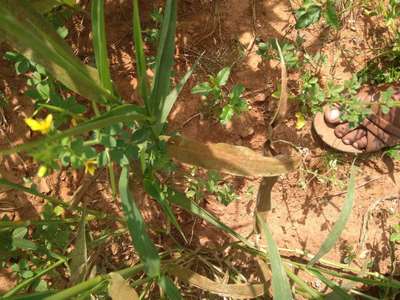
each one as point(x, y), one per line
point(301, 217)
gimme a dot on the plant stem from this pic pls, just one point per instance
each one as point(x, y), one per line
point(91, 283)
point(26, 282)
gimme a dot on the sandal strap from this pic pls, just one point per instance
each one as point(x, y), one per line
point(382, 129)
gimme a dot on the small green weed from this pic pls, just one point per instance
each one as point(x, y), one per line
point(198, 188)
point(311, 11)
point(222, 103)
point(268, 50)
point(395, 235)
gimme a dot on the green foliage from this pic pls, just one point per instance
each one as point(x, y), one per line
point(198, 188)
point(312, 95)
point(395, 234)
point(311, 11)
point(268, 50)
point(225, 105)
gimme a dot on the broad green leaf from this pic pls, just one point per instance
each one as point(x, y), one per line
point(222, 77)
point(153, 190)
point(307, 17)
point(24, 244)
point(331, 15)
point(30, 34)
point(165, 59)
point(169, 288)
point(119, 288)
point(226, 158)
point(100, 44)
point(123, 113)
point(340, 224)
point(231, 291)
point(79, 256)
point(280, 283)
point(140, 57)
point(203, 88)
point(169, 101)
point(141, 241)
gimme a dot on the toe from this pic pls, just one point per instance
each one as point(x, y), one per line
point(332, 115)
point(353, 136)
point(361, 143)
point(342, 129)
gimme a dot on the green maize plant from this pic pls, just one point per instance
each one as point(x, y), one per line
point(133, 142)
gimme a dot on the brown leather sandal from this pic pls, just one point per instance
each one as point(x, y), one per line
point(382, 130)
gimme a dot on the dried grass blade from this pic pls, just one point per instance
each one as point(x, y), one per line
point(235, 291)
point(226, 158)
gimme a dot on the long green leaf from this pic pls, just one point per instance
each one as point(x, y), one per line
point(169, 288)
point(79, 258)
point(340, 224)
point(100, 44)
point(280, 283)
point(140, 58)
point(170, 100)
point(165, 58)
point(28, 281)
point(153, 189)
point(124, 113)
point(338, 292)
point(141, 240)
point(30, 34)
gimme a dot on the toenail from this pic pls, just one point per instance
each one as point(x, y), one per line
point(355, 145)
point(346, 141)
point(334, 114)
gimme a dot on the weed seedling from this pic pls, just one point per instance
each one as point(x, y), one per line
point(223, 104)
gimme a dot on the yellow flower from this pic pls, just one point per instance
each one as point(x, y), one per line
point(44, 126)
point(90, 166)
point(301, 121)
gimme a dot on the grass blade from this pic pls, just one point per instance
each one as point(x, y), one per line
point(165, 59)
point(169, 288)
point(226, 158)
point(28, 281)
point(193, 208)
point(338, 292)
point(168, 103)
point(280, 283)
point(88, 285)
point(153, 189)
point(100, 44)
point(140, 57)
point(79, 256)
point(124, 113)
point(30, 34)
point(340, 224)
point(141, 241)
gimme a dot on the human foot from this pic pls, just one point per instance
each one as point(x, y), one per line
point(377, 131)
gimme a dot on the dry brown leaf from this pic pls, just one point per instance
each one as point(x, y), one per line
point(235, 291)
point(119, 288)
point(226, 158)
